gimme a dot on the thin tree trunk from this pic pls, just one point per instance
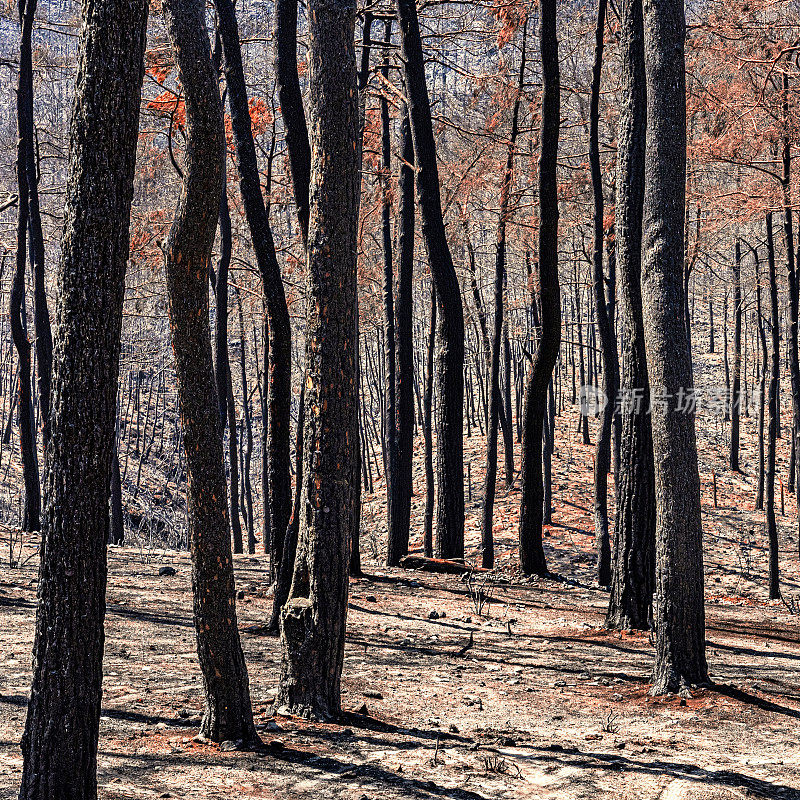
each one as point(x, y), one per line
point(19, 335)
point(736, 397)
point(450, 357)
point(531, 550)
point(495, 398)
point(762, 382)
point(794, 294)
point(283, 580)
point(26, 130)
point(772, 426)
point(60, 760)
point(427, 429)
point(233, 464)
point(278, 347)
point(605, 329)
point(401, 516)
point(291, 103)
point(395, 549)
point(117, 522)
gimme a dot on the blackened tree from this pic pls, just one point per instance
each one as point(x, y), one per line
point(60, 760)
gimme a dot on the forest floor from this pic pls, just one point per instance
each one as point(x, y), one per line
point(545, 703)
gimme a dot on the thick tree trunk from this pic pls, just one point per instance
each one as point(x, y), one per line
point(531, 550)
point(633, 565)
point(605, 329)
point(736, 395)
point(313, 619)
point(450, 358)
point(495, 398)
point(401, 512)
point(276, 422)
point(60, 760)
point(772, 425)
point(228, 713)
point(679, 612)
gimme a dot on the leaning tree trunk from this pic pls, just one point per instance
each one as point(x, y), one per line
point(531, 550)
point(276, 422)
point(633, 565)
point(495, 397)
point(679, 612)
point(772, 408)
point(60, 760)
point(313, 619)
point(605, 329)
point(228, 713)
point(450, 358)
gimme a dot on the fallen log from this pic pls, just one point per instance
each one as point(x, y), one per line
point(443, 566)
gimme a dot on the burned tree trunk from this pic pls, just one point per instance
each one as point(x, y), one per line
point(772, 408)
point(276, 422)
point(633, 564)
point(291, 103)
point(736, 395)
point(401, 512)
point(19, 335)
point(427, 431)
point(313, 619)
point(762, 383)
point(450, 358)
point(26, 130)
point(228, 713)
point(60, 760)
point(679, 612)
point(531, 550)
point(605, 328)
point(495, 397)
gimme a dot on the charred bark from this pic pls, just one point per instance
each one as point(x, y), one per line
point(531, 550)
point(633, 564)
point(276, 423)
point(228, 712)
point(450, 357)
point(60, 760)
point(313, 619)
point(679, 612)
